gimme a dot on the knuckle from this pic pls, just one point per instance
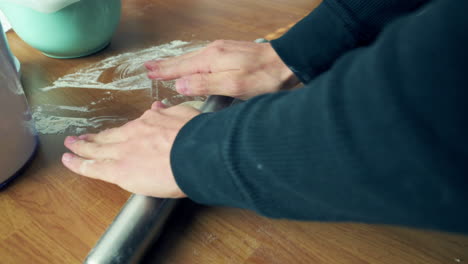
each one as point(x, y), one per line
point(217, 48)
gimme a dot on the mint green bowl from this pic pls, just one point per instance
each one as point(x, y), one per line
point(77, 30)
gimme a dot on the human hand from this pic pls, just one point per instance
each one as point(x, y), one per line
point(135, 156)
point(234, 68)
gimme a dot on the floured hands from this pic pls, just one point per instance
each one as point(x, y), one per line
point(233, 68)
point(135, 156)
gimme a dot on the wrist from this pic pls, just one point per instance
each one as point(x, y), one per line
point(286, 77)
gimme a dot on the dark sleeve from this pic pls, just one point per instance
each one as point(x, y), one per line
point(379, 138)
point(334, 27)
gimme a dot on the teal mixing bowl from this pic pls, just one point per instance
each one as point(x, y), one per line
point(77, 30)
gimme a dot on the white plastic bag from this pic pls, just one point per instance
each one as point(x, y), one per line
point(44, 6)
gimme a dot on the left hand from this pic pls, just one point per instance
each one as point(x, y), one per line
point(135, 156)
point(234, 68)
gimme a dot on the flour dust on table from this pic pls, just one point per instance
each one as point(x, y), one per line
point(127, 69)
point(48, 122)
point(116, 74)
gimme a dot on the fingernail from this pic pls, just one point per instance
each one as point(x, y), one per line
point(67, 157)
point(83, 137)
point(71, 139)
point(182, 86)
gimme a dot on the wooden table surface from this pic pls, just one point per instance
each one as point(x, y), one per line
point(50, 215)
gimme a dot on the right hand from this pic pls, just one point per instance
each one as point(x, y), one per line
point(136, 156)
point(234, 68)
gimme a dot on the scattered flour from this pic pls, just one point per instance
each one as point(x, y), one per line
point(65, 107)
point(46, 123)
point(128, 69)
point(128, 73)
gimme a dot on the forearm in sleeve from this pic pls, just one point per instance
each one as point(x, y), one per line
point(379, 138)
point(335, 27)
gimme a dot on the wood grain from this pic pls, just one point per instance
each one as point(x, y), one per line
point(50, 215)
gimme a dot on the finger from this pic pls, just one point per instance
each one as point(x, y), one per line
point(158, 105)
point(218, 56)
point(92, 150)
point(154, 65)
point(98, 169)
point(88, 137)
point(113, 135)
point(168, 69)
point(228, 83)
point(183, 67)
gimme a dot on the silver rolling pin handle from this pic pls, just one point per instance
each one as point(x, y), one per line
point(141, 219)
point(215, 103)
point(138, 223)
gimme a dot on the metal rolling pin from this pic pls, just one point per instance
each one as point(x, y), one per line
point(141, 219)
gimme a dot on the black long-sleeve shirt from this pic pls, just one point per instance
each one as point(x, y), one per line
point(377, 135)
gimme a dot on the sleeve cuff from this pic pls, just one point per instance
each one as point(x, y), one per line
point(314, 43)
point(202, 139)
